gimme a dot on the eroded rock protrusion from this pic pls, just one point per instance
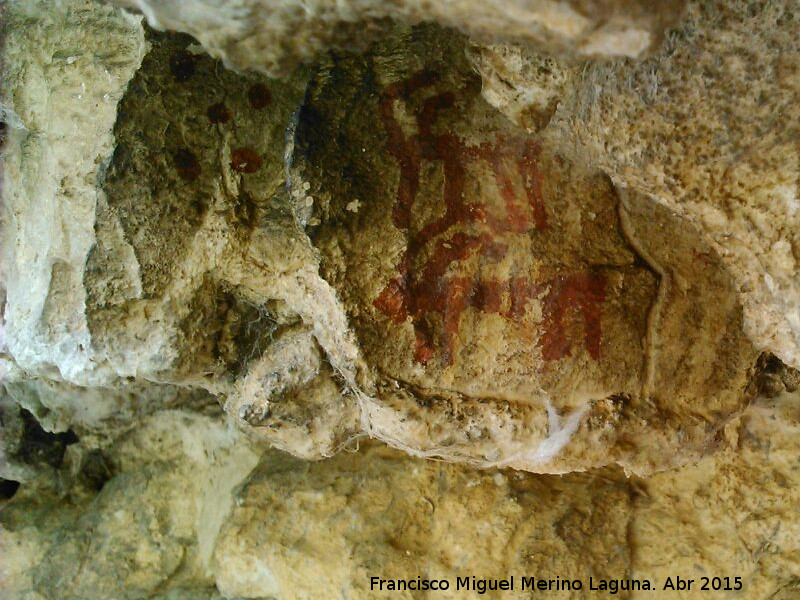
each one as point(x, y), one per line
point(273, 36)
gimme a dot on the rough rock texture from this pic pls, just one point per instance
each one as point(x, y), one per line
point(298, 529)
point(148, 525)
point(708, 127)
point(402, 263)
point(731, 513)
point(503, 296)
point(493, 255)
point(62, 96)
point(271, 36)
point(385, 513)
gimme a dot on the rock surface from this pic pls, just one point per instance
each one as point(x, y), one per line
point(273, 36)
point(461, 239)
point(297, 529)
point(708, 128)
point(507, 300)
point(404, 264)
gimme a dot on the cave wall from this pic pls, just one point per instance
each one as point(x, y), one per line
point(559, 248)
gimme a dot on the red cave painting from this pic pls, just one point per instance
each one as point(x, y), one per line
point(469, 229)
point(584, 290)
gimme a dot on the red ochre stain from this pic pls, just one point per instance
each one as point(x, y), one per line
point(259, 96)
point(182, 64)
point(245, 160)
point(186, 164)
point(583, 291)
point(416, 292)
point(218, 113)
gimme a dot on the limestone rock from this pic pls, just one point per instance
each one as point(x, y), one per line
point(151, 528)
point(271, 36)
point(733, 513)
point(371, 249)
point(708, 127)
point(63, 94)
point(170, 522)
point(184, 283)
point(460, 239)
point(513, 308)
point(386, 516)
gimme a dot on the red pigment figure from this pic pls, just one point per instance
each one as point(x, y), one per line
point(417, 292)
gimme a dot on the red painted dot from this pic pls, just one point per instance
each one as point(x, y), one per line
point(245, 160)
point(218, 113)
point(259, 96)
point(186, 164)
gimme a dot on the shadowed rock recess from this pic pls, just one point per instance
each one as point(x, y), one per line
point(262, 259)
